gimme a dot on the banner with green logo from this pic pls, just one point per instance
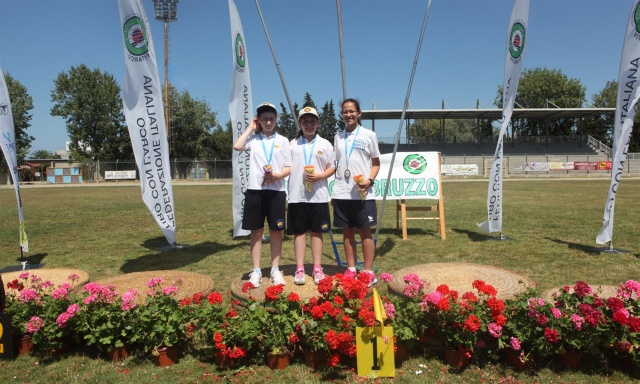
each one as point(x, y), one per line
point(516, 43)
point(144, 112)
point(8, 143)
point(241, 113)
point(626, 103)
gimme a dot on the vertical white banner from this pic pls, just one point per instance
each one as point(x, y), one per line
point(626, 102)
point(144, 112)
point(241, 112)
point(8, 142)
point(512, 68)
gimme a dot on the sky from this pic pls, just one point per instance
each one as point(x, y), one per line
point(461, 60)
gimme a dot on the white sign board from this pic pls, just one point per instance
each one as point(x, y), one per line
point(120, 175)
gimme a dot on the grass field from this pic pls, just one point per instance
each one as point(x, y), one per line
point(108, 231)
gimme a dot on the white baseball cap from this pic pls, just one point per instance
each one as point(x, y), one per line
point(308, 111)
point(265, 107)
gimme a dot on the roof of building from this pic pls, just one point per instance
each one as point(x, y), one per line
point(493, 114)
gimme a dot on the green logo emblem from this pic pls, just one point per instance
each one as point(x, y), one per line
point(241, 53)
point(135, 36)
point(414, 164)
point(636, 18)
point(517, 40)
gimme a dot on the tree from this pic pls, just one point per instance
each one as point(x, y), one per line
point(329, 124)
point(308, 101)
point(220, 143)
point(537, 86)
point(43, 154)
point(90, 103)
point(601, 127)
point(192, 125)
point(287, 124)
point(21, 104)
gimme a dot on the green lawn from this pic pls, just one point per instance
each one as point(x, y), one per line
point(108, 231)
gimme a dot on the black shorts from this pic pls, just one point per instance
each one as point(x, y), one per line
point(355, 213)
point(261, 204)
point(303, 217)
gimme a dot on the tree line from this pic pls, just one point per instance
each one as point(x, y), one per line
point(90, 103)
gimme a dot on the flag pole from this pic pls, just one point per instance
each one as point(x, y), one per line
point(344, 76)
point(404, 110)
point(275, 60)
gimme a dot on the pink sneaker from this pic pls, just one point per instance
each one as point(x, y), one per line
point(349, 273)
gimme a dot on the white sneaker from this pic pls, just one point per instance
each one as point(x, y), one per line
point(318, 275)
point(372, 278)
point(299, 277)
point(276, 278)
point(254, 278)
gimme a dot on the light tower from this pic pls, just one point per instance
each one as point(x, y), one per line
point(166, 11)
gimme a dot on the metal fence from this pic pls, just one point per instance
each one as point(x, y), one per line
point(513, 165)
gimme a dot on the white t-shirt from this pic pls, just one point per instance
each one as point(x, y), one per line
point(365, 147)
point(322, 158)
point(258, 159)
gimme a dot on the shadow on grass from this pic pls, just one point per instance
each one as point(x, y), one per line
point(588, 249)
point(475, 236)
point(174, 259)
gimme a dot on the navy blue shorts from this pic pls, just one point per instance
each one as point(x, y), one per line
point(303, 217)
point(355, 213)
point(261, 204)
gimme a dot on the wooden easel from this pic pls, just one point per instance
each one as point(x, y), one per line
point(402, 209)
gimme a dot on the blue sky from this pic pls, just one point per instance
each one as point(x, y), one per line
point(462, 57)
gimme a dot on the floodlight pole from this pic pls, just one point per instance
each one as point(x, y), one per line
point(166, 11)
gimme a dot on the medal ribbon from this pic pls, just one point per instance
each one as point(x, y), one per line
point(304, 150)
point(264, 149)
point(346, 137)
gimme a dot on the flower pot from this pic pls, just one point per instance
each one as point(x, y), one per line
point(119, 353)
point(513, 359)
point(315, 359)
point(22, 344)
point(222, 361)
point(455, 358)
point(570, 359)
point(166, 356)
point(279, 361)
point(401, 354)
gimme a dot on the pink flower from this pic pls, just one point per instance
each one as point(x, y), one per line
point(386, 277)
point(155, 281)
point(73, 277)
point(73, 309)
point(515, 343)
point(65, 286)
point(34, 324)
point(534, 302)
point(92, 288)
point(27, 295)
point(170, 290)
point(390, 310)
point(495, 330)
point(24, 275)
point(129, 299)
point(90, 299)
point(582, 289)
point(63, 319)
point(59, 294)
point(556, 313)
point(577, 321)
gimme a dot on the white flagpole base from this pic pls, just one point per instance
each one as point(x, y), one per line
point(173, 247)
point(611, 250)
point(500, 237)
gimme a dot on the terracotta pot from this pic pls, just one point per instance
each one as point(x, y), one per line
point(119, 353)
point(223, 361)
point(167, 356)
point(22, 344)
point(455, 358)
point(570, 359)
point(63, 349)
point(513, 359)
point(279, 361)
point(401, 354)
point(315, 359)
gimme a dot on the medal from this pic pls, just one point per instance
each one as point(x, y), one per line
point(347, 173)
point(348, 153)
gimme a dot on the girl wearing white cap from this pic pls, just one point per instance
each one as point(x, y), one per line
point(269, 165)
point(312, 162)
